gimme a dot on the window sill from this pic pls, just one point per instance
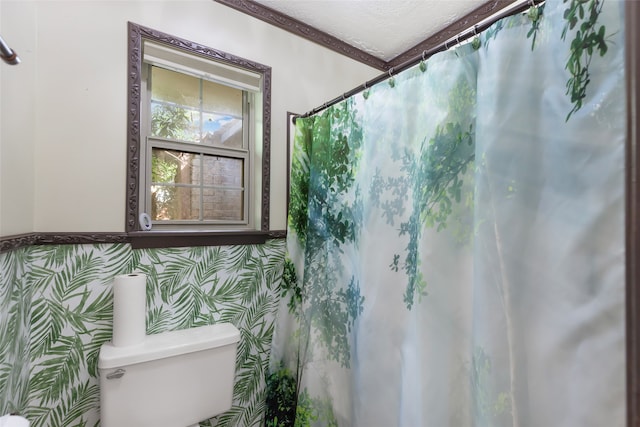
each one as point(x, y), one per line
point(173, 239)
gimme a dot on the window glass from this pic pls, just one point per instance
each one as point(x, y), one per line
point(175, 122)
point(222, 117)
point(223, 171)
point(223, 204)
point(182, 190)
point(174, 167)
point(175, 88)
point(222, 99)
point(194, 110)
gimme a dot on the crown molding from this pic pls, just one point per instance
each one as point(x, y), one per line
point(299, 28)
point(305, 31)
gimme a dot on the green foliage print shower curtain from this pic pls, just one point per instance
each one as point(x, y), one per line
point(456, 238)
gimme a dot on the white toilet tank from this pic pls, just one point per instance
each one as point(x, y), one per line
point(173, 379)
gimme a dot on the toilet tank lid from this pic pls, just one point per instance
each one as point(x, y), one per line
point(168, 344)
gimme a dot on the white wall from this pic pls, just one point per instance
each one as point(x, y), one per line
point(73, 120)
point(17, 120)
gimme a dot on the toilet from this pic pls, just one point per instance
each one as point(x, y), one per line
point(173, 379)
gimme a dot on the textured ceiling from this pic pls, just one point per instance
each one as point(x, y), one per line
point(382, 28)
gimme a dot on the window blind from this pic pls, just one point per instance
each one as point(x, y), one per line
point(165, 57)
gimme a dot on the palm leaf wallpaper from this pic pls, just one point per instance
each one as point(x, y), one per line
point(14, 332)
point(56, 311)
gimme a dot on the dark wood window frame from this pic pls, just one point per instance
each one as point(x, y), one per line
point(156, 239)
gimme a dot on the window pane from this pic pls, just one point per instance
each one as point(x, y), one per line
point(223, 204)
point(223, 171)
point(174, 167)
point(175, 88)
point(222, 115)
point(176, 186)
point(175, 122)
point(222, 130)
point(190, 109)
point(175, 105)
point(221, 99)
point(169, 202)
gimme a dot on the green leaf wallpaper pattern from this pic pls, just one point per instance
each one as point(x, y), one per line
point(14, 332)
point(71, 316)
point(238, 284)
point(70, 307)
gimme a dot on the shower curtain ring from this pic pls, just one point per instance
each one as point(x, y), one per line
point(458, 39)
point(392, 81)
point(475, 43)
point(365, 91)
point(445, 45)
point(423, 65)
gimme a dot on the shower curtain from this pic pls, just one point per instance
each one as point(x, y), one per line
point(456, 238)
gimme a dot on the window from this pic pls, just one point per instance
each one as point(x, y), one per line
point(198, 148)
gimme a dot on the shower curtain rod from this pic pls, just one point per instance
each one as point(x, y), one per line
point(9, 56)
point(449, 43)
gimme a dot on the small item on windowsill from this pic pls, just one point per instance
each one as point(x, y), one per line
point(145, 222)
